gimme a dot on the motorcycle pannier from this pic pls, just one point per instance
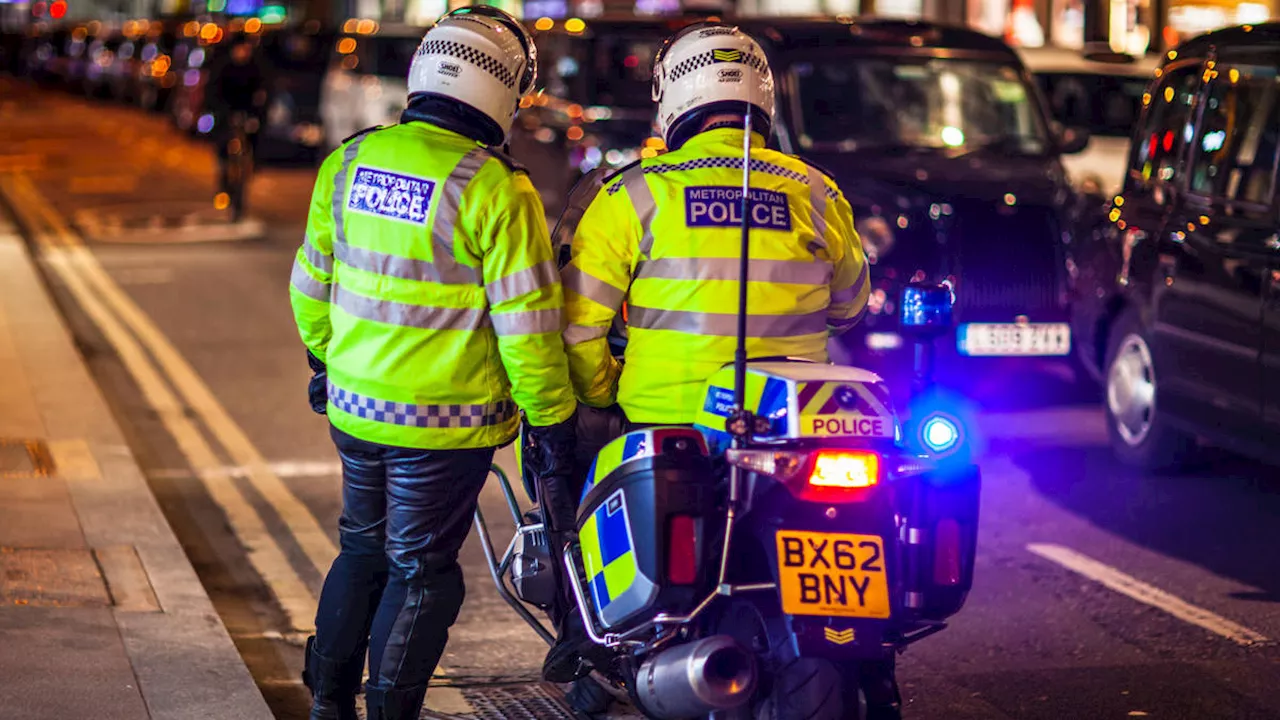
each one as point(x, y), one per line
point(647, 509)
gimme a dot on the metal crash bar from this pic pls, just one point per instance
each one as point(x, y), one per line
point(498, 568)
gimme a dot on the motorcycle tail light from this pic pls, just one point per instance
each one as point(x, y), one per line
point(845, 469)
point(828, 475)
point(682, 550)
point(946, 557)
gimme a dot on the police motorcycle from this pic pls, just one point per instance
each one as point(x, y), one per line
point(770, 561)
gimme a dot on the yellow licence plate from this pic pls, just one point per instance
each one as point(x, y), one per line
point(832, 574)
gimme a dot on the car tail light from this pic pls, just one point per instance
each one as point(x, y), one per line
point(946, 557)
point(682, 550)
point(828, 475)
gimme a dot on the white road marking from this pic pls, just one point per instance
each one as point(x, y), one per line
point(1149, 594)
point(283, 469)
point(314, 540)
point(72, 262)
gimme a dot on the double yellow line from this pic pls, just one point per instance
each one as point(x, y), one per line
point(176, 392)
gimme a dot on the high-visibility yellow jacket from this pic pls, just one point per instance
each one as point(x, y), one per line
point(664, 236)
point(427, 284)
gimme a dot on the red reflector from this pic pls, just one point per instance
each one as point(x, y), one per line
point(682, 550)
point(845, 469)
point(946, 553)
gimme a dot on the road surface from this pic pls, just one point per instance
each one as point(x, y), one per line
point(1100, 593)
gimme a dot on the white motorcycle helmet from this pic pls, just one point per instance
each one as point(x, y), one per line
point(708, 69)
point(481, 58)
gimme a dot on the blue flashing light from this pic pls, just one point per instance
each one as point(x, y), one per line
point(926, 306)
point(940, 434)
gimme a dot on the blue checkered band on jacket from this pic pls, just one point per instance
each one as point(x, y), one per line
point(423, 416)
point(734, 163)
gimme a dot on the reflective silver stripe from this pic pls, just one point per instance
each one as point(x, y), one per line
point(522, 282)
point(423, 416)
point(318, 260)
point(642, 201)
point(578, 334)
point(726, 324)
point(592, 287)
point(846, 323)
point(417, 316)
point(526, 322)
point(406, 268)
point(302, 281)
point(850, 293)
point(446, 263)
point(818, 207)
point(340, 189)
point(797, 272)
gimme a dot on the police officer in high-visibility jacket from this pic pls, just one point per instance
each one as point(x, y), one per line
point(663, 236)
point(427, 294)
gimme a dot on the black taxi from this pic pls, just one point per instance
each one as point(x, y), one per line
point(1179, 309)
point(941, 143)
point(937, 135)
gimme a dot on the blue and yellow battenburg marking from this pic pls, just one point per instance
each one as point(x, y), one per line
point(608, 552)
point(617, 587)
point(802, 400)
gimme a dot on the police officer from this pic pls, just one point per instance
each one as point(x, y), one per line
point(428, 298)
point(664, 237)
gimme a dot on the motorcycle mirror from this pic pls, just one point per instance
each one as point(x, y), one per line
point(925, 310)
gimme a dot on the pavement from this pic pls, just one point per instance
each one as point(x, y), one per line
point(1100, 592)
point(101, 613)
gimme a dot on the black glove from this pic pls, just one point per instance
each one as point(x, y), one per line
point(548, 464)
point(318, 388)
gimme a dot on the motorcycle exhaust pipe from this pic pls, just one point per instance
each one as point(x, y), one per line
point(697, 678)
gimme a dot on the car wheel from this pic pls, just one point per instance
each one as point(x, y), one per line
point(1140, 435)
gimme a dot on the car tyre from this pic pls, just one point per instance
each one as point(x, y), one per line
point(804, 689)
point(1140, 436)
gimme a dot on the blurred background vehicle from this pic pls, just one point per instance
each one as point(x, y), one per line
point(948, 157)
point(100, 56)
point(366, 82)
point(936, 134)
point(1104, 98)
point(297, 58)
point(594, 108)
point(198, 47)
point(156, 77)
point(1179, 307)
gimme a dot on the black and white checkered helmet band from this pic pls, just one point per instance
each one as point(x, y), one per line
point(470, 55)
point(711, 57)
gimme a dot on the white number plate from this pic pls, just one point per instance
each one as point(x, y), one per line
point(999, 339)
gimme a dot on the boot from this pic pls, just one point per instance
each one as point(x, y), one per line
point(333, 685)
point(401, 704)
point(564, 662)
point(880, 687)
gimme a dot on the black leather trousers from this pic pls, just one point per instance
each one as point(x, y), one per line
point(396, 581)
